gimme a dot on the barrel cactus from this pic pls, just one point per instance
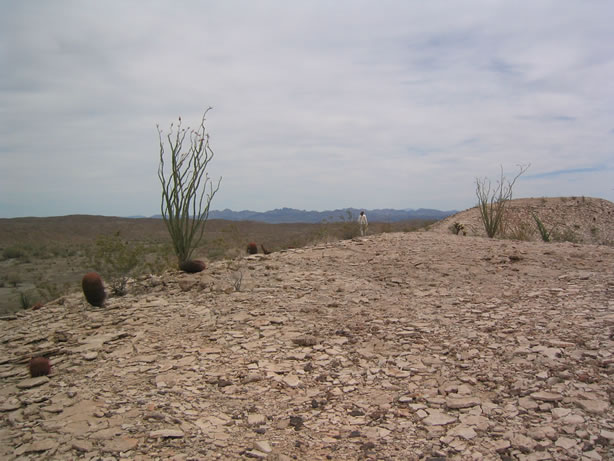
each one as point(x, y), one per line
point(39, 366)
point(192, 266)
point(93, 289)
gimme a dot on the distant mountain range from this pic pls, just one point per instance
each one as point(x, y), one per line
point(292, 215)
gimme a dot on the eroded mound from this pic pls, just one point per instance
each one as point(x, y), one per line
point(570, 219)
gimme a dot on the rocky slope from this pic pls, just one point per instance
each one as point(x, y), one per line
point(400, 346)
point(574, 219)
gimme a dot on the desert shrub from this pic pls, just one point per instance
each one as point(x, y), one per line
point(117, 260)
point(215, 253)
point(517, 230)
point(24, 300)
point(29, 298)
point(457, 228)
point(14, 279)
point(41, 252)
point(349, 226)
point(492, 200)
point(157, 260)
point(12, 252)
point(386, 228)
point(50, 290)
point(544, 233)
point(60, 251)
point(185, 196)
point(566, 235)
point(322, 233)
point(215, 249)
point(416, 225)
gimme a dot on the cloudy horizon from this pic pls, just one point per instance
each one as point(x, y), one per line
point(316, 105)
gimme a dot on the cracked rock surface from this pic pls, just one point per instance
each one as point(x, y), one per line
point(400, 346)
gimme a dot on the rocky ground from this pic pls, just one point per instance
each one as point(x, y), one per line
point(400, 346)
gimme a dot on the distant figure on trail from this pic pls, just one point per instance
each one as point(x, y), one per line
point(362, 221)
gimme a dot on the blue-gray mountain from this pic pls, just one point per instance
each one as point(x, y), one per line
point(291, 215)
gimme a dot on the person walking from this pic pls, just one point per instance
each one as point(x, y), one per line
point(362, 221)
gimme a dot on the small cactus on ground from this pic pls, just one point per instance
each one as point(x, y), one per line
point(93, 289)
point(192, 266)
point(252, 248)
point(39, 366)
point(458, 228)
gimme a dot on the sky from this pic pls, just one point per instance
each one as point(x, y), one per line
point(317, 105)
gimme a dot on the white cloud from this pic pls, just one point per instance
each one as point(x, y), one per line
point(317, 105)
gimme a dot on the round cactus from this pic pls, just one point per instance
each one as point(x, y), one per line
point(39, 366)
point(93, 289)
point(252, 248)
point(192, 266)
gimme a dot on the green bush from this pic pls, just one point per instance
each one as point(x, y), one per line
point(116, 260)
point(12, 252)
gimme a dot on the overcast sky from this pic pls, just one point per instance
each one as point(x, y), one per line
point(317, 105)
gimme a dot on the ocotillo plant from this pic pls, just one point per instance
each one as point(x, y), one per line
point(491, 202)
point(185, 195)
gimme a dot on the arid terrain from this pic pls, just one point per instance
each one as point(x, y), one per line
point(43, 258)
point(397, 346)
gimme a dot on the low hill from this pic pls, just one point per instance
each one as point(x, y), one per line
point(574, 219)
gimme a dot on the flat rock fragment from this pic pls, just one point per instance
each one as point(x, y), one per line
point(167, 434)
point(32, 382)
point(597, 407)
point(438, 418)
point(37, 447)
